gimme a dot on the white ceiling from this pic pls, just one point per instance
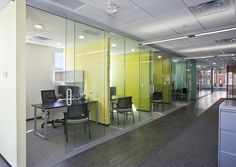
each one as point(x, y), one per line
point(160, 19)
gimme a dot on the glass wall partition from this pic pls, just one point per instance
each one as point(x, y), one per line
point(130, 71)
point(145, 82)
point(117, 76)
point(87, 55)
point(162, 81)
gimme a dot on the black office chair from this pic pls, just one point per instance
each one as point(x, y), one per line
point(157, 97)
point(76, 114)
point(124, 105)
point(48, 96)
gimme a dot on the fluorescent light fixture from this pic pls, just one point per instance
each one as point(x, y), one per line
point(226, 55)
point(214, 63)
point(208, 48)
point(58, 44)
point(132, 50)
point(81, 37)
point(159, 57)
point(215, 32)
point(113, 45)
point(38, 26)
point(164, 40)
point(3, 3)
point(202, 57)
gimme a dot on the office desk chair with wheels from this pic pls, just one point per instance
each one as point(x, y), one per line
point(48, 96)
point(76, 114)
point(124, 105)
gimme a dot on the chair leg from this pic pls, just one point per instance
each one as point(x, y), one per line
point(89, 130)
point(124, 119)
point(66, 132)
point(118, 118)
point(133, 116)
point(85, 127)
point(53, 125)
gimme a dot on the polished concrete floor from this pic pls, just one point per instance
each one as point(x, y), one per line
point(138, 146)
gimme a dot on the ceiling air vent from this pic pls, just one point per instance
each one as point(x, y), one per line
point(69, 4)
point(211, 7)
point(39, 38)
point(226, 41)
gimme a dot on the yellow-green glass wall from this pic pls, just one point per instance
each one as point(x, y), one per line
point(162, 75)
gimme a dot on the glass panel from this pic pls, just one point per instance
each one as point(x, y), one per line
point(191, 79)
point(87, 56)
point(132, 67)
point(145, 83)
point(117, 74)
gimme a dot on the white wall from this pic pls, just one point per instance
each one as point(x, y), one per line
point(39, 74)
point(12, 99)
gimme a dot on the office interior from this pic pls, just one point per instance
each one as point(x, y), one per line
point(104, 67)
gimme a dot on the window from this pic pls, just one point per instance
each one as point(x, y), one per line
point(59, 61)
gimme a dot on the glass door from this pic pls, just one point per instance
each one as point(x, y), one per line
point(86, 75)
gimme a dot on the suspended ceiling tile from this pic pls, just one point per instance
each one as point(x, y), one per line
point(90, 12)
point(132, 15)
point(180, 43)
point(218, 19)
point(182, 21)
point(153, 26)
point(123, 5)
point(167, 46)
point(112, 21)
point(201, 40)
point(143, 2)
point(225, 35)
point(159, 7)
point(86, 1)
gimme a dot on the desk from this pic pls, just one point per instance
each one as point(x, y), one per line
point(53, 105)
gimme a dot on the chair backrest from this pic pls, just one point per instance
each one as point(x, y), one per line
point(77, 111)
point(48, 96)
point(184, 90)
point(124, 102)
point(157, 96)
point(112, 91)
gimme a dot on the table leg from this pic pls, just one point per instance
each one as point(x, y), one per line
point(35, 125)
point(45, 123)
point(35, 119)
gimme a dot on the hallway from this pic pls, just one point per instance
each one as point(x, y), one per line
point(161, 139)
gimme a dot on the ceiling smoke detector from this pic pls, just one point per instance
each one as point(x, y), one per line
point(111, 8)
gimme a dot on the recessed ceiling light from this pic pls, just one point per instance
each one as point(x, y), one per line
point(158, 57)
point(113, 45)
point(38, 26)
point(132, 50)
point(81, 37)
point(214, 63)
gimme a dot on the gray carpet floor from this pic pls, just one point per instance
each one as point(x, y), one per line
point(195, 147)
point(184, 137)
